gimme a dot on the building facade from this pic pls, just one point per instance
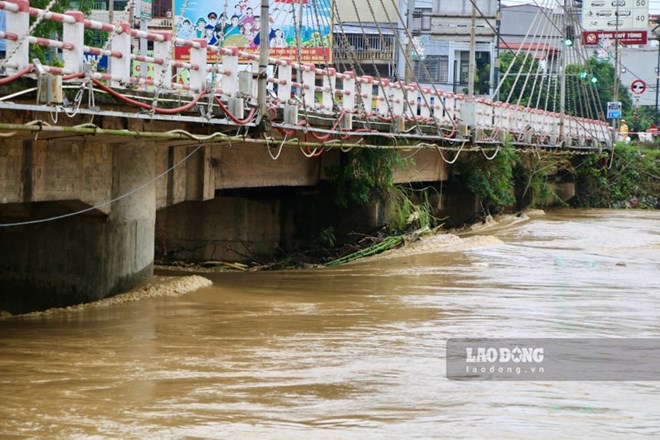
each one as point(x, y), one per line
point(443, 29)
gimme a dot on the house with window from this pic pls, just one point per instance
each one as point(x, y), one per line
point(364, 41)
point(534, 31)
point(442, 36)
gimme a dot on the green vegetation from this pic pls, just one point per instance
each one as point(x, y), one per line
point(387, 244)
point(363, 175)
point(513, 88)
point(630, 180)
point(368, 174)
point(511, 178)
point(531, 178)
point(641, 118)
point(51, 29)
point(491, 180)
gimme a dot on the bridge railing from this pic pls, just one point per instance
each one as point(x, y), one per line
point(306, 87)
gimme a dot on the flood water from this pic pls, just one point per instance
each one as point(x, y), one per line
point(355, 352)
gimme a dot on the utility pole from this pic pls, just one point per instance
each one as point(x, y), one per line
point(263, 60)
point(472, 60)
point(657, 78)
point(617, 61)
point(657, 68)
point(401, 58)
point(409, 45)
point(111, 11)
point(496, 62)
point(140, 15)
point(562, 76)
point(617, 71)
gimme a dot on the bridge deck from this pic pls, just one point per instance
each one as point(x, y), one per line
point(307, 104)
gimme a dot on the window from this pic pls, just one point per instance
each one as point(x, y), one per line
point(422, 19)
point(438, 69)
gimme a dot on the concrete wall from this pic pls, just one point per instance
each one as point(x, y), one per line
point(81, 258)
point(222, 229)
point(224, 201)
point(347, 11)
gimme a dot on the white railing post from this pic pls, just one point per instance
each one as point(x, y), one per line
point(439, 107)
point(397, 100)
point(120, 68)
point(348, 92)
point(199, 67)
point(329, 87)
point(18, 22)
point(163, 50)
point(425, 104)
point(383, 97)
point(229, 72)
point(285, 77)
point(366, 94)
point(413, 95)
point(308, 84)
point(74, 33)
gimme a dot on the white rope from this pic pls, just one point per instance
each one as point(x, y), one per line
point(453, 161)
point(279, 151)
point(497, 150)
point(106, 203)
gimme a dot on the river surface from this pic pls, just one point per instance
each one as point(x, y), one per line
point(355, 352)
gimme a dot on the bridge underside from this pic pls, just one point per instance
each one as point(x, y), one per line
point(215, 200)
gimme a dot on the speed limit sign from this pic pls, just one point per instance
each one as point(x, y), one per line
point(638, 87)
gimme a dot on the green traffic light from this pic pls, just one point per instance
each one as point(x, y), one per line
point(568, 42)
point(594, 80)
point(583, 75)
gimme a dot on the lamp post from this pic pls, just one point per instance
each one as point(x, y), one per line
point(496, 71)
point(263, 60)
point(657, 77)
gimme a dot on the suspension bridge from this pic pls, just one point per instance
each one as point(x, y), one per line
point(299, 103)
point(100, 165)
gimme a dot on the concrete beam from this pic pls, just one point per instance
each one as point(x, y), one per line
point(82, 258)
point(425, 166)
point(250, 166)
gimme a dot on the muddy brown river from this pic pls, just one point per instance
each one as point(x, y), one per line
point(354, 352)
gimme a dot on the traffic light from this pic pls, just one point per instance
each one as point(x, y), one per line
point(586, 75)
point(569, 36)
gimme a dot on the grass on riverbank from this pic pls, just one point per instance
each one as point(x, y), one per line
point(630, 178)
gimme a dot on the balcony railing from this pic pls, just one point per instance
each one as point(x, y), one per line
point(386, 55)
point(159, 8)
point(362, 47)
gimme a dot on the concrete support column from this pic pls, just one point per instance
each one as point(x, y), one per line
point(86, 257)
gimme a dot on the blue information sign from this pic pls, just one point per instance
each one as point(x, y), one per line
point(614, 110)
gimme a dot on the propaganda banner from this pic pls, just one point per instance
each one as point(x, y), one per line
point(236, 23)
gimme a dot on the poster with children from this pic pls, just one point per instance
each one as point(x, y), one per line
point(236, 23)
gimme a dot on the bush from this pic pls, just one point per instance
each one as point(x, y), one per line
point(628, 180)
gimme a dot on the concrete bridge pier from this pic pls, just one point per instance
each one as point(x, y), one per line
point(85, 257)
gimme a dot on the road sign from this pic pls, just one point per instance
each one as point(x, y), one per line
point(625, 38)
point(638, 87)
point(604, 15)
point(625, 21)
point(614, 110)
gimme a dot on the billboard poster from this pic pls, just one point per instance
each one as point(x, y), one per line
point(236, 23)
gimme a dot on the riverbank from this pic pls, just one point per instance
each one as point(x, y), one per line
point(628, 178)
point(380, 245)
point(157, 286)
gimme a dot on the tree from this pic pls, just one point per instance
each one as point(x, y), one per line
point(51, 29)
point(523, 72)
